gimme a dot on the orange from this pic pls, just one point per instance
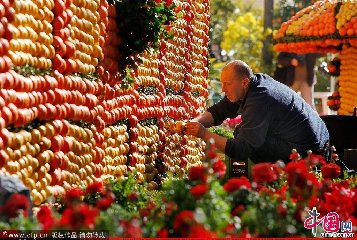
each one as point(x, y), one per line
point(342, 31)
point(350, 31)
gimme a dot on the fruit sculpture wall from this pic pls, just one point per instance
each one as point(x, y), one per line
point(61, 127)
point(328, 27)
point(348, 80)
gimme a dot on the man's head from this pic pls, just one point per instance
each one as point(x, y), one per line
point(235, 79)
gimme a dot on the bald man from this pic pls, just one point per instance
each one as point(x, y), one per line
point(275, 118)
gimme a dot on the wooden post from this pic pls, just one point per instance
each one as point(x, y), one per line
point(268, 23)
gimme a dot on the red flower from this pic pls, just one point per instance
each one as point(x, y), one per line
point(315, 159)
point(238, 210)
point(73, 194)
point(170, 208)
point(294, 156)
point(281, 193)
point(212, 152)
point(144, 212)
point(299, 214)
point(199, 190)
point(197, 173)
point(282, 210)
point(44, 216)
point(148, 209)
point(245, 234)
point(15, 203)
point(301, 182)
point(132, 229)
point(331, 202)
point(334, 156)
point(104, 203)
point(219, 167)
point(199, 231)
point(344, 183)
point(169, 3)
point(96, 187)
point(236, 183)
point(263, 190)
point(82, 216)
point(133, 197)
point(183, 221)
point(313, 201)
point(230, 231)
point(330, 171)
point(151, 205)
point(265, 172)
point(163, 233)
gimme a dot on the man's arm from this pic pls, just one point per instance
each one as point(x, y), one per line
point(206, 119)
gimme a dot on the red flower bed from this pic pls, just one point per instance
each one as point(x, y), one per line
point(278, 202)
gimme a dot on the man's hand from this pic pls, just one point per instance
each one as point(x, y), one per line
point(195, 129)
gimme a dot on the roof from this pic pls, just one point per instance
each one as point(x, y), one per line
point(321, 27)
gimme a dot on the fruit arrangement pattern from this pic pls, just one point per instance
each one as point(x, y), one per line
point(328, 27)
point(65, 118)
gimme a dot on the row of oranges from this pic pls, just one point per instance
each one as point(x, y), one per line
point(320, 20)
point(347, 80)
point(6, 12)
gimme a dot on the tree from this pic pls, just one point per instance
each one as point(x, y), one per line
point(268, 24)
point(243, 39)
point(221, 11)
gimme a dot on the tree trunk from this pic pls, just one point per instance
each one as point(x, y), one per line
point(268, 23)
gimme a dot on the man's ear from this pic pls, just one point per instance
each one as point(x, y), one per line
point(246, 82)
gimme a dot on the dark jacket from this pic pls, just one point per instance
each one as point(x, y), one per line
point(275, 121)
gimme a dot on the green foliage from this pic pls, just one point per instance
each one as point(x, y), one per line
point(215, 68)
point(109, 218)
point(220, 11)
point(323, 79)
point(123, 189)
point(28, 70)
point(213, 203)
point(262, 208)
point(214, 84)
point(89, 76)
point(142, 24)
point(353, 181)
point(20, 223)
point(147, 90)
point(179, 191)
point(222, 131)
point(128, 79)
point(148, 121)
point(28, 127)
point(243, 39)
